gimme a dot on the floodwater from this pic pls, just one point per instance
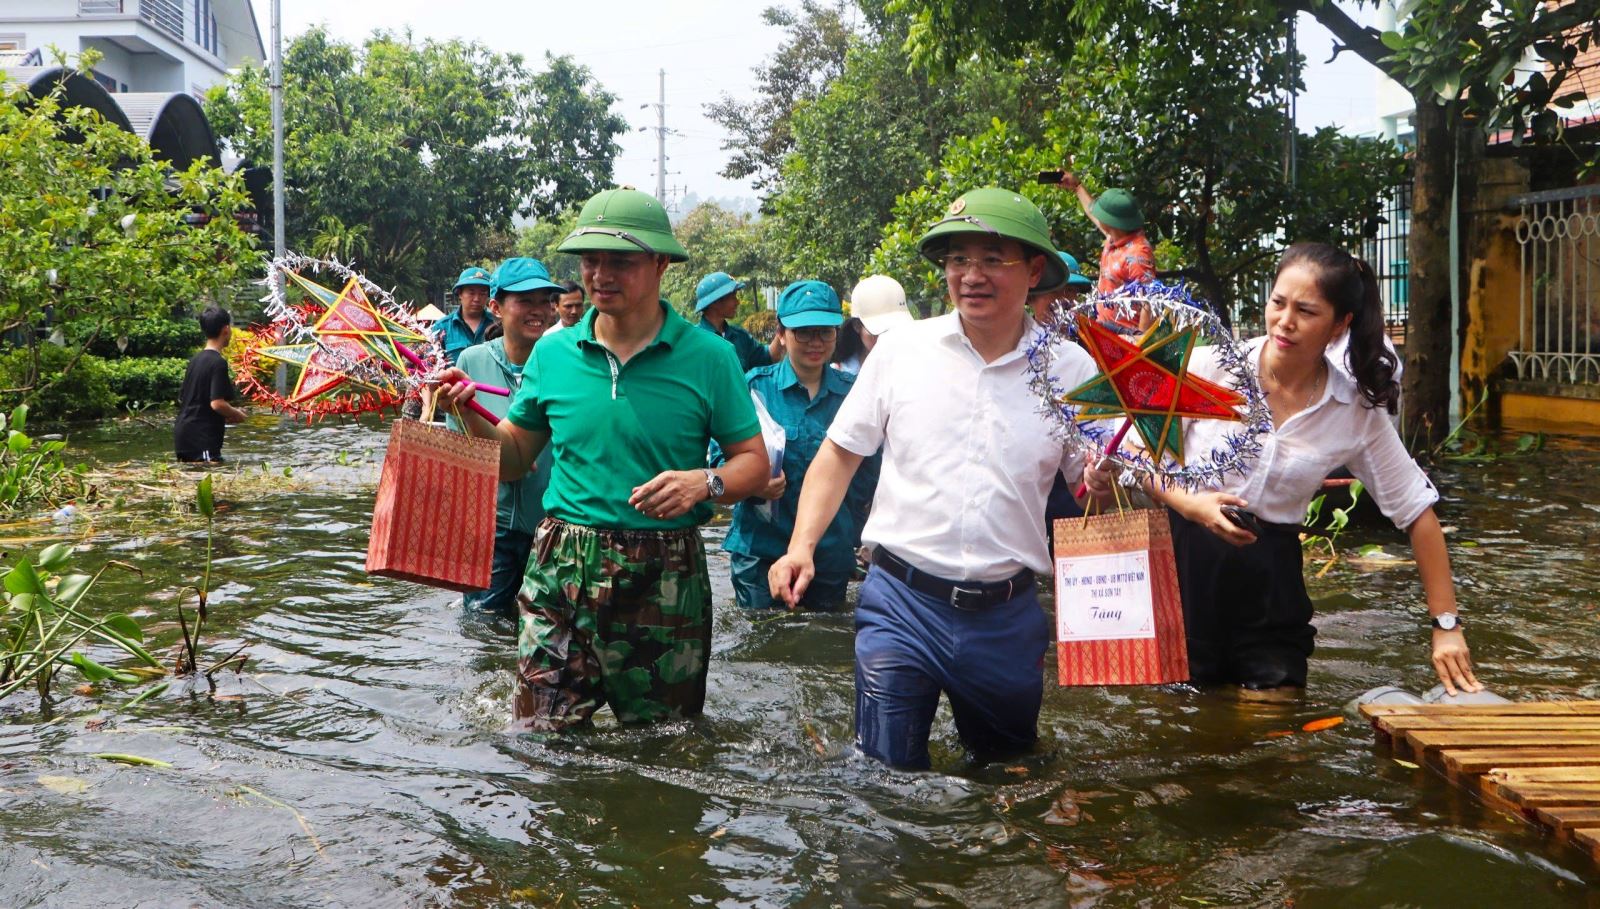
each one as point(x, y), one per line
point(362, 759)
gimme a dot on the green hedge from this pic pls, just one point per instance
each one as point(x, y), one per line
point(86, 392)
point(146, 380)
point(153, 338)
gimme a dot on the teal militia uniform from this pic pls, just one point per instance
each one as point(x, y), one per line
point(452, 332)
point(616, 605)
point(518, 505)
point(751, 353)
point(760, 532)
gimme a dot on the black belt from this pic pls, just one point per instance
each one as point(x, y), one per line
point(967, 595)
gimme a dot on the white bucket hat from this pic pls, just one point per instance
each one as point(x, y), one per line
point(880, 303)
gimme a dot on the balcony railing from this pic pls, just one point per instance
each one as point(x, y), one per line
point(165, 15)
point(99, 7)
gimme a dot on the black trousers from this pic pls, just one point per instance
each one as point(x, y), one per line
point(1245, 609)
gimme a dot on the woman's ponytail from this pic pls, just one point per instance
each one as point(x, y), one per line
point(1349, 283)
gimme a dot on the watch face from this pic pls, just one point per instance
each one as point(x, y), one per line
point(1446, 622)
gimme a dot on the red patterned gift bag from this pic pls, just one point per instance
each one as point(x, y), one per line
point(433, 522)
point(1119, 618)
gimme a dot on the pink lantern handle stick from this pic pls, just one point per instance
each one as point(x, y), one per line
point(1111, 446)
point(418, 362)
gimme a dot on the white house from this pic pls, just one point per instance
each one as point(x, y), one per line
point(146, 46)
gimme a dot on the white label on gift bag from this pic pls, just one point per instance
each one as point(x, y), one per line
point(1104, 597)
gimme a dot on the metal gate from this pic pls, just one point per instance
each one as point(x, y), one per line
point(1559, 296)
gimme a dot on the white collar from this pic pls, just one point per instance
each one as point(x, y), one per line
point(1340, 385)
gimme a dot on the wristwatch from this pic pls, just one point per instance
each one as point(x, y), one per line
point(1447, 621)
point(713, 485)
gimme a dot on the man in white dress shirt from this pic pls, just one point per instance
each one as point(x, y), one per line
point(569, 307)
point(949, 605)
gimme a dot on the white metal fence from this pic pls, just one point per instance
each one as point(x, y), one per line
point(1559, 299)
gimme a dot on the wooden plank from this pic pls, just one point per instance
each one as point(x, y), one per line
point(1553, 722)
point(1580, 708)
point(1513, 777)
point(1589, 838)
point(1482, 760)
point(1565, 818)
point(1434, 739)
point(1536, 795)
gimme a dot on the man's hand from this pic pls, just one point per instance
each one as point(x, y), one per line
point(670, 494)
point(1452, 661)
point(774, 488)
point(1069, 181)
point(789, 577)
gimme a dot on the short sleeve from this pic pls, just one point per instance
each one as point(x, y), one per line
point(863, 418)
point(1382, 464)
point(221, 387)
point(733, 416)
point(527, 411)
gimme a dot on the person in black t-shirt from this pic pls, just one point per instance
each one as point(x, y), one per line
point(205, 402)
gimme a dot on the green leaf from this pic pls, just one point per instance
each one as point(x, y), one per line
point(1369, 550)
point(1447, 86)
point(18, 442)
point(203, 497)
point(55, 556)
point(19, 416)
point(91, 670)
point(72, 588)
point(22, 578)
point(1393, 40)
point(124, 625)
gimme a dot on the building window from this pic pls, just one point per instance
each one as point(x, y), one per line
point(13, 42)
point(106, 82)
point(205, 26)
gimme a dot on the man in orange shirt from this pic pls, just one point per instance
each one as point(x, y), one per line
point(1127, 255)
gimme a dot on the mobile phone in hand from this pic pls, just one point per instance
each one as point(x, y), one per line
point(1050, 177)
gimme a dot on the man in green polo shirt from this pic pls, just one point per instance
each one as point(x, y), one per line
point(716, 299)
point(616, 605)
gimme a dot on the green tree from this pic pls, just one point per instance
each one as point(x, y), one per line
point(431, 147)
point(1452, 55)
point(721, 240)
point(96, 234)
point(813, 55)
point(875, 133)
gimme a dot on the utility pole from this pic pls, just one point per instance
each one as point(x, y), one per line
point(661, 142)
point(276, 86)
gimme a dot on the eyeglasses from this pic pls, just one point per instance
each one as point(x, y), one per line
point(815, 335)
point(986, 264)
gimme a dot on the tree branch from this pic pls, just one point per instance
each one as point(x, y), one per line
point(1359, 39)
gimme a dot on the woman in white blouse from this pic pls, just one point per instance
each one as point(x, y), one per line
point(1245, 604)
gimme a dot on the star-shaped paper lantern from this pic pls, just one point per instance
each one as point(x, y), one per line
point(1148, 381)
point(350, 337)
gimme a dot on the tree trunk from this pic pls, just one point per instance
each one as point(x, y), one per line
point(1428, 339)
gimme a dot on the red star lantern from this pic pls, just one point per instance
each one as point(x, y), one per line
point(1148, 381)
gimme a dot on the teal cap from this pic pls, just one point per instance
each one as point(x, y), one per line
point(809, 304)
point(521, 275)
point(714, 287)
point(1075, 278)
point(1116, 208)
point(472, 276)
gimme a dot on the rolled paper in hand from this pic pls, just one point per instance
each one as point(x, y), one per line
point(418, 362)
point(1111, 447)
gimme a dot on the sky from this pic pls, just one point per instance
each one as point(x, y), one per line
point(707, 47)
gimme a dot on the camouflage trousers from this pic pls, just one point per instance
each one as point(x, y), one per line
point(619, 617)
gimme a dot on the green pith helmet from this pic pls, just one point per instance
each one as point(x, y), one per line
point(1117, 208)
point(1003, 213)
point(623, 220)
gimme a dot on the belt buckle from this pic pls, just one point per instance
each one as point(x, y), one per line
point(958, 593)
